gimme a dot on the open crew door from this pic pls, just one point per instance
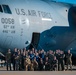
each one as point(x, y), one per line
point(35, 40)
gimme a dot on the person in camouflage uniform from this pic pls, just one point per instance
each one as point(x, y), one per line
point(69, 60)
point(8, 59)
point(28, 64)
point(55, 64)
point(62, 56)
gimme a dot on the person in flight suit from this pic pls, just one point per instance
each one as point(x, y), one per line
point(18, 61)
point(14, 58)
point(47, 64)
point(8, 59)
point(62, 56)
point(23, 59)
point(55, 64)
point(69, 60)
point(50, 57)
point(58, 58)
point(41, 64)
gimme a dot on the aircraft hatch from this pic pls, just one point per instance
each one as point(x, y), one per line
point(35, 40)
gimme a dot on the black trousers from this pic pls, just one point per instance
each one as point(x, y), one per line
point(8, 65)
point(14, 64)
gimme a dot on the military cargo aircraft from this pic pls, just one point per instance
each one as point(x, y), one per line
point(41, 24)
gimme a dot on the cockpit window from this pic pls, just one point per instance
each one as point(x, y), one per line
point(1, 9)
point(6, 9)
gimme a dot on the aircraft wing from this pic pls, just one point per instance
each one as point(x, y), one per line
point(65, 1)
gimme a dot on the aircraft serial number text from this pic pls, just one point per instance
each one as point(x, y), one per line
point(7, 21)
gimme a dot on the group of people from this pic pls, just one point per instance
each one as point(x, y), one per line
point(38, 60)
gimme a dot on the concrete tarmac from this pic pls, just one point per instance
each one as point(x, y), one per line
point(3, 71)
point(37, 72)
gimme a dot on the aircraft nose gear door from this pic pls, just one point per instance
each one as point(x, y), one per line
point(35, 40)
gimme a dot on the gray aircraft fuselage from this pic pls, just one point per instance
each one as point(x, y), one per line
point(35, 23)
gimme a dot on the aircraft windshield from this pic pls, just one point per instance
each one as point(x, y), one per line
point(6, 9)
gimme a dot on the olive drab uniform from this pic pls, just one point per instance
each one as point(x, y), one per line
point(15, 54)
point(51, 57)
point(69, 60)
point(8, 60)
point(62, 62)
point(55, 65)
point(59, 64)
point(17, 59)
